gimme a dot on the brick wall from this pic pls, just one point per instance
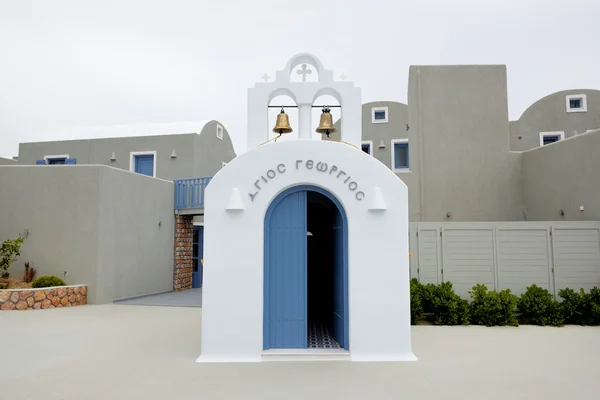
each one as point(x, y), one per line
point(184, 235)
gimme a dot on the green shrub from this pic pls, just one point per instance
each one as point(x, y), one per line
point(416, 308)
point(3, 285)
point(491, 308)
point(47, 281)
point(427, 293)
point(573, 306)
point(538, 307)
point(448, 307)
point(9, 251)
point(593, 307)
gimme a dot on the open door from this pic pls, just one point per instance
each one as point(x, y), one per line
point(285, 323)
point(340, 283)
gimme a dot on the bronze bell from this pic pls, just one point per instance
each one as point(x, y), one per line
point(283, 123)
point(326, 123)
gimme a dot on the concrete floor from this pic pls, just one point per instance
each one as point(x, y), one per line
point(187, 298)
point(132, 352)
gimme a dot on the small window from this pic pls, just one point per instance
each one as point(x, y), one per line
point(400, 161)
point(143, 162)
point(219, 132)
point(576, 103)
point(550, 137)
point(56, 160)
point(223, 164)
point(367, 147)
point(379, 115)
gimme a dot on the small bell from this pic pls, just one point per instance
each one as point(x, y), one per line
point(283, 123)
point(326, 124)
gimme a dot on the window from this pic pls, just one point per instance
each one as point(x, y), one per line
point(576, 103)
point(367, 147)
point(551, 137)
point(57, 160)
point(143, 162)
point(400, 155)
point(219, 132)
point(379, 115)
point(223, 164)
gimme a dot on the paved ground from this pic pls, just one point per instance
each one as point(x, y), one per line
point(133, 352)
point(187, 298)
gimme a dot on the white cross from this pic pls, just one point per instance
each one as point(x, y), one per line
point(266, 77)
point(304, 71)
point(343, 76)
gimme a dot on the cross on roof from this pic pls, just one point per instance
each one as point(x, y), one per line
point(304, 71)
point(343, 76)
point(266, 77)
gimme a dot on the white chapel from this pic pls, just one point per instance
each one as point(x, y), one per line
point(306, 241)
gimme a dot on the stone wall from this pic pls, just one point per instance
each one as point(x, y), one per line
point(184, 235)
point(35, 299)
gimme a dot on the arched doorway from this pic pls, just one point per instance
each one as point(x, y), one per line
point(305, 271)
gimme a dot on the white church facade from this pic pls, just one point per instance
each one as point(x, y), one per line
point(289, 269)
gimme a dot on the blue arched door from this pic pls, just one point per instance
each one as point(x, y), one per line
point(285, 285)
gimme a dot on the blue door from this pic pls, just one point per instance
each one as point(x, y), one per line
point(144, 164)
point(285, 314)
point(197, 256)
point(340, 283)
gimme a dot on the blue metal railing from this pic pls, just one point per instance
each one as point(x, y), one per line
point(189, 193)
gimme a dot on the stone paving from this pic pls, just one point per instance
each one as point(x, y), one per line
point(135, 352)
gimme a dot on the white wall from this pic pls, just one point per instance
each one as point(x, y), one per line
point(379, 308)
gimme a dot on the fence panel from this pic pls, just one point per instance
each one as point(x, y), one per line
point(524, 259)
point(576, 257)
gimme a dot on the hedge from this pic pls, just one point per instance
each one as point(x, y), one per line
point(442, 306)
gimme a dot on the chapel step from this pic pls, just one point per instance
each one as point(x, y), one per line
point(306, 355)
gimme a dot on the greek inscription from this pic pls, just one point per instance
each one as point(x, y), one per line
point(264, 180)
point(256, 184)
point(333, 169)
point(252, 195)
point(309, 164)
point(298, 163)
point(341, 172)
point(271, 174)
point(281, 168)
point(355, 186)
point(362, 196)
point(322, 167)
point(347, 179)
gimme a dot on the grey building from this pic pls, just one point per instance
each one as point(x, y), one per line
point(193, 150)
point(7, 161)
point(463, 160)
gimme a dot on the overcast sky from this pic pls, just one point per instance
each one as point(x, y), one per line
point(70, 63)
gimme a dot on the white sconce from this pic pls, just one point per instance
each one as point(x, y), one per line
point(381, 144)
point(173, 154)
point(113, 157)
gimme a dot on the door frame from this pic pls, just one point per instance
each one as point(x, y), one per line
point(266, 266)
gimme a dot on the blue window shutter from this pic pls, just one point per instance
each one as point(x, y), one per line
point(40, 162)
point(71, 161)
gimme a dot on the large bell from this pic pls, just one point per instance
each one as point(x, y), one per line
point(283, 123)
point(326, 123)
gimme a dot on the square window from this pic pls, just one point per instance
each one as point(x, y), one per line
point(366, 147)
point(550, 137)
point(576, 103)
point(379, 115)
point(143, 162)
point(400, 155)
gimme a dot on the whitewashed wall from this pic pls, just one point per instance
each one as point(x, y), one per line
point(375, 201)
